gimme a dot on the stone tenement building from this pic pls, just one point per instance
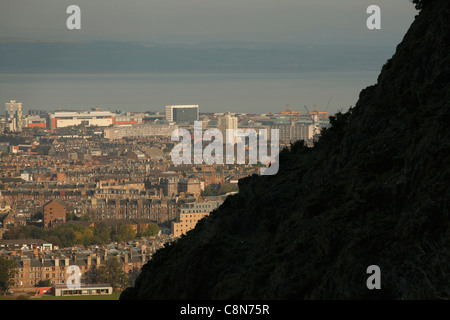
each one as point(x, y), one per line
point(32, 269)
point(190, 214)
point(54, 212)
point(158, 210)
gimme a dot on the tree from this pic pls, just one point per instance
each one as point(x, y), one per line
point(44, 283)
point(209, 191)
point(7, 274)
point(84, 236)
point(63, 235)
point(227, 187)
point(102, 234)
point(14, 233)
point(420, 4)
point(71, 216)
point(34, 232)
point(92, 275)
point(113, 274)
point(124, 232)
point(151, 230)
point(37, 216)
point(216, 190)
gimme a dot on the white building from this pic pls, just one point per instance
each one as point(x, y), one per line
point(61, 119)
point(293, 131)
point(27, 176)
point(82, 289)
point(182, 113)
point(139, 130)
point(228, 122)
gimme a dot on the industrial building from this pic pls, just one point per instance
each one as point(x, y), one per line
point(125, 119)
point(36, 121)
point(61, 119)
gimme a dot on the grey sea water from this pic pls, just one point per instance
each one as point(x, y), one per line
point(214, 92)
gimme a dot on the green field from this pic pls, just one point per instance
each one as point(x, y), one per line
point(113, 296)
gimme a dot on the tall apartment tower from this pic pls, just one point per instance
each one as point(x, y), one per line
point(228, 122)
point(14, 115)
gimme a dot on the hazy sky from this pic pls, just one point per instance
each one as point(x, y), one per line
point(299, 21)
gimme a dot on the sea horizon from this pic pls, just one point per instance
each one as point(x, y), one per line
point(213, 92)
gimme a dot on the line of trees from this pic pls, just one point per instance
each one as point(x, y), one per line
point(215, 190)
point(111, 272)
point(7, 274)
point(67, 235)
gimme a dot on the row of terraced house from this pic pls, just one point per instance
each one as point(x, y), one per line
point(39, 262)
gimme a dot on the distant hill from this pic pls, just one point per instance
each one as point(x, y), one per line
point(373, 191)
point(28, 56)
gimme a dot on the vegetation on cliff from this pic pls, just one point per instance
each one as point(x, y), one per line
point(373, 191)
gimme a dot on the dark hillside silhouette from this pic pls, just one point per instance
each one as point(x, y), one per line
point(373, 191)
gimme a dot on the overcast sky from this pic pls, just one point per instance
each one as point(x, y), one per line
point(296, 21)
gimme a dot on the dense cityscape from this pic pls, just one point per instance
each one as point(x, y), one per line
point(211, 158)
point(79, 187)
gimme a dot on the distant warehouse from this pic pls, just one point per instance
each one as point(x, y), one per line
point(96, 117)
point(139, 130)
point(62, 119)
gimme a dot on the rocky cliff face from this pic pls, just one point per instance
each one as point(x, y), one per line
point(373, 191)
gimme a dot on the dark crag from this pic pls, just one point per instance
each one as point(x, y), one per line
point(374, 190)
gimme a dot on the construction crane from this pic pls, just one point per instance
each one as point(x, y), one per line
point(307, 110)
point(315, 112)
point(291, 114)
point(326, 109)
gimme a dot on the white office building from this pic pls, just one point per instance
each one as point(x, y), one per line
point(182, 113)
point(228, 122)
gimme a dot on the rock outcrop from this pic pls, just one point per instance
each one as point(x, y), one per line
point(373, 191)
